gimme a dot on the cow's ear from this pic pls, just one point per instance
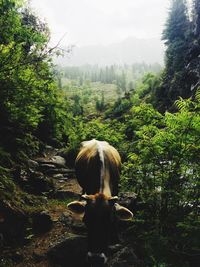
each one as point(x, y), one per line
point(77, 206)
point(123, 213)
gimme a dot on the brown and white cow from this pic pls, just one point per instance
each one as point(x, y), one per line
point(98, 169)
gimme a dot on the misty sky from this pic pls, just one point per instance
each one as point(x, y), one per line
point(102, 21)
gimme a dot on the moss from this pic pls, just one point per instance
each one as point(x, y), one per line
point(11, 194)
point(60, 202)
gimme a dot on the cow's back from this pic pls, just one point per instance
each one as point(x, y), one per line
point(89, 164)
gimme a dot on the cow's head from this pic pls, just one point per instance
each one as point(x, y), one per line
point(100, 213)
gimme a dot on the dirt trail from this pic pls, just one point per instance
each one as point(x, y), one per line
point(34, 253)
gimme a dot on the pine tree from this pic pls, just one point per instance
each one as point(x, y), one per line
point(175, 35)
point(196, 18)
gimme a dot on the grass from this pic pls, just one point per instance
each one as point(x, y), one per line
point(90, 93)
point(59, 202)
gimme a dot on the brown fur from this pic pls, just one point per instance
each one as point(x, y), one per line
point(88, 167)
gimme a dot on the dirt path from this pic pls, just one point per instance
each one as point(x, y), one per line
point(34, 253)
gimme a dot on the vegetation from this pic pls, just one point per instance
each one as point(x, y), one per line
point(152, 118)
point(32, 108)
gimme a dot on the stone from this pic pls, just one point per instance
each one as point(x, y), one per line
point(46, 166)
point(41, 222)
point(63, 171)
point(77, 225)
point(13, 227)
point(69, 252)
point(49, 149)
point(38, 183)
point(42, 160)
point(32, 164)
point(58, 176)
point(59, 161)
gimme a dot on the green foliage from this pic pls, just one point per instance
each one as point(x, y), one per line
point(29, 97)
point(7, 186)
point(180, 72)
point(162, 167)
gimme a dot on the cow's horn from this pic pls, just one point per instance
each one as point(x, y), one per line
point(86, 197)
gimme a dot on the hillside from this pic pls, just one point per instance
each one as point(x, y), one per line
point(129, 51)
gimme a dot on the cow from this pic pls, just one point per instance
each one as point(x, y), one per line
point(97, 169)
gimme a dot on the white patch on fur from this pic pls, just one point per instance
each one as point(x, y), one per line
point(102, 171)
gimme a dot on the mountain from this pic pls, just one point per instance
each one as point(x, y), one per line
point(130, 50)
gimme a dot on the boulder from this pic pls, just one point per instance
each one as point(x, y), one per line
point(76, 225)
point(13, 224)
point(32, 164)
point(71, 252)
point(38, 183)
point(41, 222)
point(58, 161)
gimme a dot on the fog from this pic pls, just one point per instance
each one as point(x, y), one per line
point(86, 22)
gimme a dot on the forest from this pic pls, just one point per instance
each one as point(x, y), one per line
point(149, 113)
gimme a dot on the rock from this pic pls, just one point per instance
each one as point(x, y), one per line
point(77, 225)
point(65, 178)
point(70, 252)
point(63, 171)
point(42, 222)
point(66, 219)
point(65, 194)
point(38, 183)
point(33, 164)
point(58, 176)
point(43, 160)
point(58, 161)
point(13, 226)
point(124, 258)
point(49, 150)
point(45, 166)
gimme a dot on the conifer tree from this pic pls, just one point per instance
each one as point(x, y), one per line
point(193, 56)
point(175, 35)
point(196, 18)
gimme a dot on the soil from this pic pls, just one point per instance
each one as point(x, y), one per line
point(34, 252)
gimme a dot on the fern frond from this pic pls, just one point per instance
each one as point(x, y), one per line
point(197, 95)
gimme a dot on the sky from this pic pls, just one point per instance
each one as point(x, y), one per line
point(89, 22)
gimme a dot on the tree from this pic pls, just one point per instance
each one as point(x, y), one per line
point(175, 35)
point(193, 63)
point(100, 104)
point(27, 87)
point(196, 17)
